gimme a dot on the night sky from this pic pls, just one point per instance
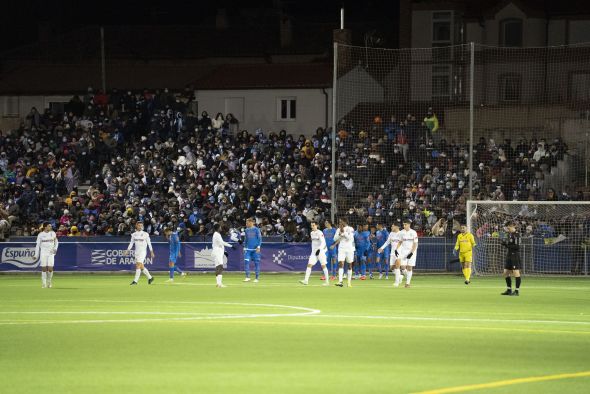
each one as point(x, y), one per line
point(20, 20)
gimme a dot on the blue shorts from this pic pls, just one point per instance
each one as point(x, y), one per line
point(251, 255)
point(331, 254)
point(362, 252)
point(384, 256)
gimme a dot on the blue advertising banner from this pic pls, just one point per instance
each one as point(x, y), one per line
point(91, 255)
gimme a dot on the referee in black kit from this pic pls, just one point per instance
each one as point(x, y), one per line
point(512, 265)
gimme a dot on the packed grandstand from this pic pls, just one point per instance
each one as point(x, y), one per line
point(112, 159)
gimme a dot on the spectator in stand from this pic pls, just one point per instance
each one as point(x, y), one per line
point(431, 123)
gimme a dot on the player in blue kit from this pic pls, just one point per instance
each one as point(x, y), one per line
point(372, 254)
point(331, 254)
point(252, 243)
point(174, 244)
point(382, 258)
point(362, 245)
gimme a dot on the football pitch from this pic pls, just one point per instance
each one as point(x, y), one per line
point(95, 333)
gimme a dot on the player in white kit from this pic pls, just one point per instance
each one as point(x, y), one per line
point(344, 238)
point(407, 250)
point(318, 253)
point(394, 261)
point(142, 242)
point(45, 250)
point(218, 252)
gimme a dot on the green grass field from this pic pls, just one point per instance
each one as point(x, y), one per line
point(98, 334)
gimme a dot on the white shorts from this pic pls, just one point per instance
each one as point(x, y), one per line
point(393, 258)
point(405, 261)
point(345, 255)
point(217, 258)
point(140, 258)
point(313, 259)
point(46, 259)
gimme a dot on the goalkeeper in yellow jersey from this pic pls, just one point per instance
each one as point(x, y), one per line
point(464, 247)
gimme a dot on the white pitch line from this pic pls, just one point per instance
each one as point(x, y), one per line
point(303, 311)
point(458, 319)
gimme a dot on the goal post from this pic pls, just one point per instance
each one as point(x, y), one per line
point(555, 235)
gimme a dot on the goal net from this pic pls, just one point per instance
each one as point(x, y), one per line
point(554, 235)
point(402, 122)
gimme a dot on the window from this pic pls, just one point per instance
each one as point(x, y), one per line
point(509, 89)
point(442, 36)
point(286, 108)
point(57, 108)
point(11, 106)
point(580, 86)
point(511, 33)
point(442, 22)
point(441, 81)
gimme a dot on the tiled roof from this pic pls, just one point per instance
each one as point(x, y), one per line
point(247, 76)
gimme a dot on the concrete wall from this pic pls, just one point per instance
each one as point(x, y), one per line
point(355, 87)
point(260, 108)
point(517, 122)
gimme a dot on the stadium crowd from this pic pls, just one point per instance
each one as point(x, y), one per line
point(146, 156)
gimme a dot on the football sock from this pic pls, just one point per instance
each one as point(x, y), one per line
point(518, 283)
point(363, 269)
point(247, 268)
point(307, 273)
point(398, 275)
point(49, 277)
point(44, 278)
point(340, 274)
point(218, 279)
point(177, 269)
point(172, 273)
point(137, 273)
point(257, 268)
point(326, 275)
point(508, 282)
point(409, 277)
point(349, 275)
point(146, 273)
point(467, 273)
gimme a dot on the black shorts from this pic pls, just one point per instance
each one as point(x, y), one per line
point(512, 262)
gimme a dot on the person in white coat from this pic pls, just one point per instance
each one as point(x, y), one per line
point(218, 252)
